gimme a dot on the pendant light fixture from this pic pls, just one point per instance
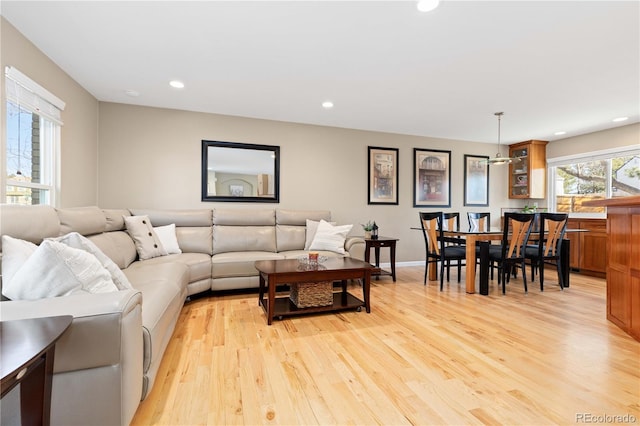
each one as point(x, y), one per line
point(499, 159)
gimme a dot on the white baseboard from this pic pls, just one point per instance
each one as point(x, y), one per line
point(401, 264)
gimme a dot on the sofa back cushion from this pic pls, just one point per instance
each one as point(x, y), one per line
point(30, 223)
point(193, 227)
point(244, 230)
point(195, 239)
point(243, 238)
point(115, 219)
point(291, 228)
point(117, 245)
point(83, 220)
point(299, 217)
point(248, 217)
point(290, 237)
point(196, 217)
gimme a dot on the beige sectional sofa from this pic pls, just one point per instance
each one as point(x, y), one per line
point(106, 363)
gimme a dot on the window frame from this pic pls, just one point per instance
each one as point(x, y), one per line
point(27, 95)
point(606, 154)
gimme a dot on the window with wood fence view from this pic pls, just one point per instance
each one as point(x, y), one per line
point(591, 180)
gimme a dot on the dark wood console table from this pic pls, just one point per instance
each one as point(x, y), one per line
point(27, 348)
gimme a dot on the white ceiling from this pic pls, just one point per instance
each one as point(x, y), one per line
point(549, 65)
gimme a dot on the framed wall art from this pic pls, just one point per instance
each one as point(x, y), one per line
point(431, 178)
point(383, 175)
point(476, 180)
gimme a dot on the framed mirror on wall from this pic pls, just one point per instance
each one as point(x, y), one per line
point(240, 172)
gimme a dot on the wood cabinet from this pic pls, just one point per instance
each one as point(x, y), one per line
point(587, 248)
point(623, 262)
point(528, 177)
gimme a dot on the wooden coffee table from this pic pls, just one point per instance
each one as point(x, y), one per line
point(289, 271)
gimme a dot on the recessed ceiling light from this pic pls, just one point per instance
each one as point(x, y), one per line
point(427, 5)
point(327, 105)
point(560, 133)
point(616, 120)
point(177, 84)
point(132, 93)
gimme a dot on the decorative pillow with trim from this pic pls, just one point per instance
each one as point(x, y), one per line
point(55, 269)
point(330, 237)
point(148, 245)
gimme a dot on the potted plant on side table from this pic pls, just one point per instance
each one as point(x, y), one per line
point(368, 228)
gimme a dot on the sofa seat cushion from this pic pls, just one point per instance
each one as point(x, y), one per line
point(199, 264)
point(239, 264)
point(163, 287)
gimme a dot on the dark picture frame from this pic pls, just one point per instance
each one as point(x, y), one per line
point(382, 176)
point(476, 180)
point(240, 172)
point(431, 178)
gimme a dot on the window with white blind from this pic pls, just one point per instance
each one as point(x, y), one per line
point(32, 141)
point(596, 175)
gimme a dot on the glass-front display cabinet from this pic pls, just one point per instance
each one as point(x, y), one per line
point(528, 174)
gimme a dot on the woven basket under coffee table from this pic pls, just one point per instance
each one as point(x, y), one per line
point(308, 295)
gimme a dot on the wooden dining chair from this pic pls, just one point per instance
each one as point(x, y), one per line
point(436, 246)
point(510, 253)
point(451, 222)
point(547, 248)
point(479, 221)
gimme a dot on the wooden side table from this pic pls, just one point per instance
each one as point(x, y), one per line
point(27, 348)
point(376, 244)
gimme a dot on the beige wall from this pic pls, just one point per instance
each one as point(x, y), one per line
point(622, 136)
point(79, 133)
point(151, 157)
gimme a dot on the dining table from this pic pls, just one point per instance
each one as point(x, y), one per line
point(484, 238)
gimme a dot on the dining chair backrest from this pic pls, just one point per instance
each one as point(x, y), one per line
point(515, 234)
point(431, 223)
point(479, 221)
point(451, 221)
point(535, 227)
point(552, 229)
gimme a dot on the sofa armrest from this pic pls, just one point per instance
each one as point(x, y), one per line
point(101, 323)
point(355, 247)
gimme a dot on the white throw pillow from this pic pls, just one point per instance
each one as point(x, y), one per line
point(168, 238)
point(55, 269)
point(147, 243)
point(14, 253)
point(312, 228)
point(330, 237)
point(78, 241)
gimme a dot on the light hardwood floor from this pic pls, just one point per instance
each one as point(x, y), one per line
point(421, 357)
